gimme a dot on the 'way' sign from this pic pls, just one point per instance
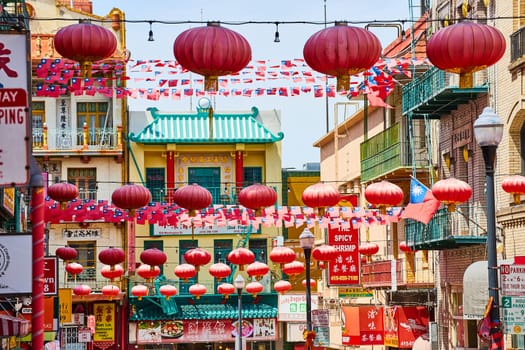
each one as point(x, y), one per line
point(14, 140)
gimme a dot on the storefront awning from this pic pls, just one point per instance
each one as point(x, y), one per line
point(475, 291)
point(13, 326)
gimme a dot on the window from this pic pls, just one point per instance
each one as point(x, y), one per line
point(155, 182)
point(184, 246)
point(86, 258)
point(38, 120)
point(86, 181)
point(97, 118)
point(252, 175)
point(221, 249)
point(260, 248)
point(209, 178)
point(155, 244)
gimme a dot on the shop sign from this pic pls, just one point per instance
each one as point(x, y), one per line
point(104, 322)
point(344, 271)
point(513, 314)
point(363, 325)
point(404, 324)
point(292, 307)
point(195, 331)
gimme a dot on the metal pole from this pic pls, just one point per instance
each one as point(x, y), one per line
point(239, 321)
point(307, 253)
point(489, 155)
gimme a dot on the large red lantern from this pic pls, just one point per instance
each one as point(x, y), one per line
point(320, 196)
point(62, 192)
point(139, 291)
point(404, 247)
point(153, 257)
point(342, 51)
point(257, 269)
point(74, 268)
point(192, 197)
point(368, 248)
point(282, 286)
point(66, 253)
point(220, 270)
point(282, 255)
point(110, 290)
point(313, 283)
point(82, 290)
point(85, 43)
point(226, 289)
point(212, 51)
point(131, 197)
point(293, 268)
point(464, 48)
point(324, 252)
point(168, 291)
point(185, 271)
point(514, 185)
point(111, 256)
point(197, 290)
point(148, 272)
point(241, 256)
point(451, 192)
point(383, 194)
point(257, 196)
point(254, 288)
point(197, 257)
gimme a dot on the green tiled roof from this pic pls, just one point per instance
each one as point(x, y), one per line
point(195, 128)
point(148, 309)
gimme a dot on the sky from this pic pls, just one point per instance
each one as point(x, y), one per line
point(304, 119)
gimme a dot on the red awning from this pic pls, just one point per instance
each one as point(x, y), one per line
point(13, 326)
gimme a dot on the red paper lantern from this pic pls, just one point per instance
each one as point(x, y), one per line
point(220, 270)
point(74, 268)
point(197, 290)
point(192, 197)
point(241, 256)
point(225, 289)
point(131, 197)
point(514, 185)
point(148, 272)
point(383, 194)
point(139, 291)
point(82, 290)
point(212, 51)
point(324, 252)
point(404, 247)
point(464, 48)
point(85, 43)
point(111, 256)
point(254, 288)
point(282, 286)
point(153, 257)
point(313, 283)
point(185, 271)
point(282, 255)
point(368, 248)
point(257, 196)
point(293, 268)
point(168, 291)
point(110, 290)
point(112, 272)
point(257, 269)
point(197, 257)
point(62, 192)
point(320, 196)
point(451, 192)
point(66, 253)
point(342, 51)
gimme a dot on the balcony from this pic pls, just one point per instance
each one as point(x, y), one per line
point(389, 153)
point(410, 272)
point(448, 230)
point(436, 93)
point(82, 141)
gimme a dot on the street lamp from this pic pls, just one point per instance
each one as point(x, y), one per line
point(488, 131)
point(239, 285)
point(306, 241)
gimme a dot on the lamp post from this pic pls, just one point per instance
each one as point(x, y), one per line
point(239, 285)
point(306, 241)
point(488, 131)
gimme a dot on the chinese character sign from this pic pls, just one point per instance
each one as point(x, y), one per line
point(345, 269)
point(104, 321)
point(363, 325)
point(13, 62)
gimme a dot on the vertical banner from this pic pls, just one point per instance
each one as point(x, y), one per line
point(404, 324)
point(65, 297)
point(344, 271)
point(104, 322)
point(363, 325)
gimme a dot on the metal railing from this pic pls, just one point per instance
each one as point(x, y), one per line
point(517, 44)
point(408, 271)
point(77, 139)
